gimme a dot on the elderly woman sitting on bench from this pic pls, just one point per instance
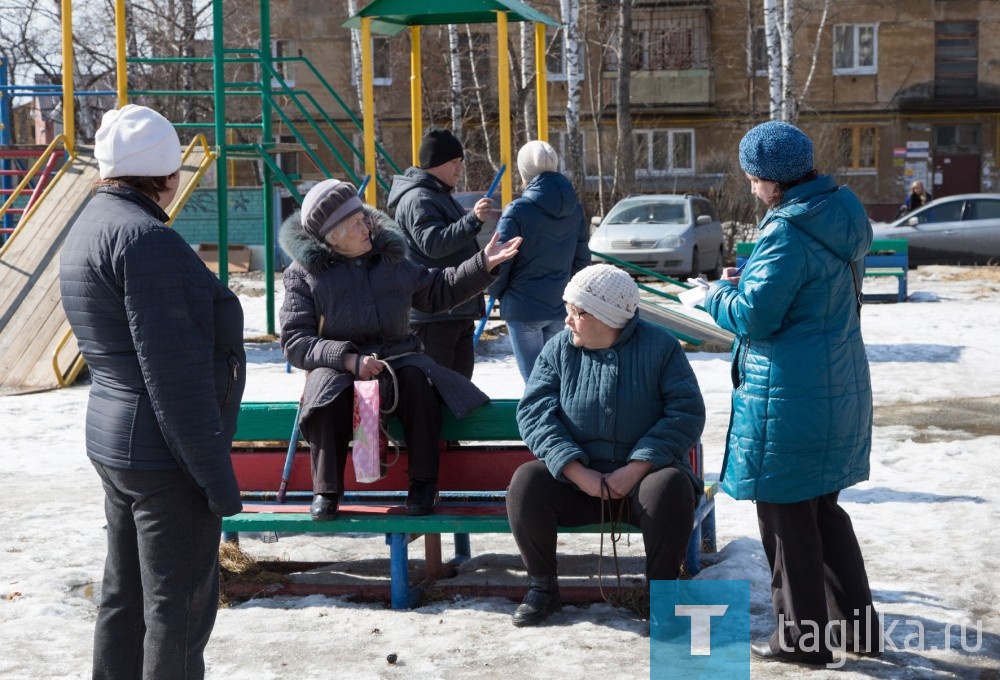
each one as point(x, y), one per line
point(346, 311)
point(612, 410)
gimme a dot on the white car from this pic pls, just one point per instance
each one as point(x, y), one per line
point(677, 235)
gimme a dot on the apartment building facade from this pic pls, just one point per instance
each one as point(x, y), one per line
point(891, 92)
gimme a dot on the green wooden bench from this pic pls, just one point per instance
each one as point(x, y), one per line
point(886, 257)
point(473, 479)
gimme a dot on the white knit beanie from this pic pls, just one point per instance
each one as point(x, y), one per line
point(135, 141)
point(605, 291)
point(535, 158)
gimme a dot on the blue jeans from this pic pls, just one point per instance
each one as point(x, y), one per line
point(528, 337)
point(161, 577)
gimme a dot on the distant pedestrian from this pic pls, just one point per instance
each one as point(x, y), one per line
point(550, 219)
point(439, 234)
point(917, 197)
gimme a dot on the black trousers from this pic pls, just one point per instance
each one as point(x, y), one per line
point(661, 505)
point(331, 428)
point(817, 576)
point(160, 591)
point(449, 343)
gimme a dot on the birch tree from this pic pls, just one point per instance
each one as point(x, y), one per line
point(455, 55)
point(624, 179)
point(571, 53)
point(779, 21)
point(528, 109)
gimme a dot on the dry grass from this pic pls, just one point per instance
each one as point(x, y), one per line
point(985, 273)
point(237, 566)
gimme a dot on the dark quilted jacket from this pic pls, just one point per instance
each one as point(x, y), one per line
point(365, 305)
point(438, 233)
point(550, 220)
point(164, 342)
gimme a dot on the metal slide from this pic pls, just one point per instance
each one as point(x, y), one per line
point(37, 349)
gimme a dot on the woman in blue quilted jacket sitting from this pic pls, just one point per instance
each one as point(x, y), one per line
point(801, 427)
point(612, 409)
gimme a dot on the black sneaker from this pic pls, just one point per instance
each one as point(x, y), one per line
point(541, 601)
point(421, 497)
point(324, 506)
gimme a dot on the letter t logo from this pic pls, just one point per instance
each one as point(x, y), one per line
point(701, 624)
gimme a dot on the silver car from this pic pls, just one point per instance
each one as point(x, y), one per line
point(677, 235)
point(960, 229)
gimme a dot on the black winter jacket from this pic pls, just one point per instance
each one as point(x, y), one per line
point(438, 231)
point(365, 305)
point(164, 342)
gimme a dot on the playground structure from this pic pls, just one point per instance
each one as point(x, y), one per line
point(37, 351)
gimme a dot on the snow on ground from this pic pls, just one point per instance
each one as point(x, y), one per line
point(927, 520)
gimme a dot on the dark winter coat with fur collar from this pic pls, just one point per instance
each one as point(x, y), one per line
point(364, 303)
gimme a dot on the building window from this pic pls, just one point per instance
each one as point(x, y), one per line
point(672, 41)
point(381, 60)
point(858, 147)
point(758, 51)
point(555, 57)
point(660, 152)
point(855, 49)
point(280, 49)
point(956, 59)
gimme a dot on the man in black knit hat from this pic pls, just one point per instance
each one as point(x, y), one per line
point(440, 234)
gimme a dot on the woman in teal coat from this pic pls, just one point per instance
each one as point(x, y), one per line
point(611, 410)
point(802, 404)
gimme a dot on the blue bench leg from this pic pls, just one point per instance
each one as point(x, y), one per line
point(692, 561)
point(463, 548)
point(401, 595)
point(902, 287)
point(708, 528)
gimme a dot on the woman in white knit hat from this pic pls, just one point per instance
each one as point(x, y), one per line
point(550, 219)
point(163, 339)
point(611, 411)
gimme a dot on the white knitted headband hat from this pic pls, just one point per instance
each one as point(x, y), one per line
point(605, 291)
point(136, 141)
point(536, 157)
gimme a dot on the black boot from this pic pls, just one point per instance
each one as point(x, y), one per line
point(541, 601)
point(324, 506)
point(421, 497)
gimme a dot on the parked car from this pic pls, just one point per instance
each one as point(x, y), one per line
point(960, 229)
point(677, 235)
point(467, 199)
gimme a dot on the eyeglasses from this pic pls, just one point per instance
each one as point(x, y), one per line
point(573, 313)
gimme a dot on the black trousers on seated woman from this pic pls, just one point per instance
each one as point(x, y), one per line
point(661, 505)
point(331, 428)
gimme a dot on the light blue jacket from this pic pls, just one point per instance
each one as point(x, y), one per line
point(637, 400)
point(801, 423)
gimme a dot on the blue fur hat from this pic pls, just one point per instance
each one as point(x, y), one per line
point(775, 151)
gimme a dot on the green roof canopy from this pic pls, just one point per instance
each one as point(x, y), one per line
point(389, 17)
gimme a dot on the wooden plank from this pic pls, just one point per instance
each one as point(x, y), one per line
point(494, 421)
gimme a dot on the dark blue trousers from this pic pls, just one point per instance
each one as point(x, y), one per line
point(161, 577)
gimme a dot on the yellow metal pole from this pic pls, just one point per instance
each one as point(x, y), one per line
point(503, 80)
point(416, 108)
point(69, 117)
point(368, 99)
point(541, 84)
point(122, 72)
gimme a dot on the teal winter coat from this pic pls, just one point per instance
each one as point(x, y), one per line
point(636, 400)
point(801, 423)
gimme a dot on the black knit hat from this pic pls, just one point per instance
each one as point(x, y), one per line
point(438, 147)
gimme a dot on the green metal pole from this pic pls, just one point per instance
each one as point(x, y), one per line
point(266, 133)
point(222, 177)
